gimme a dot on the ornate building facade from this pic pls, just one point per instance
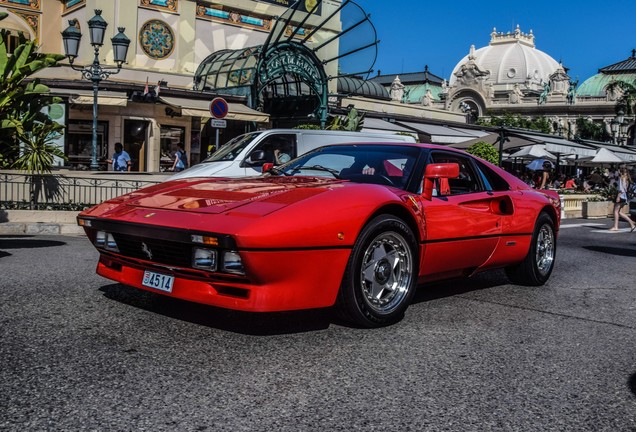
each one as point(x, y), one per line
point(152, 103)
point(510, 75)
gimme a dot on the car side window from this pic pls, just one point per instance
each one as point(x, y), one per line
point(468, 180)
point(278, 148)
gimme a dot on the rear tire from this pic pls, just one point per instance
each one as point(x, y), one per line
point(381, 275)
point(537, 266)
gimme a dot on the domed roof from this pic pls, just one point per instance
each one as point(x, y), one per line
point(509, 58)
point(622, 71)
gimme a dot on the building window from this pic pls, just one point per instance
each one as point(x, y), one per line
point(12, 40)
point(79, 144)
point(170, 137)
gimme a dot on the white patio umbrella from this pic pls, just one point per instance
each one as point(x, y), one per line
point(536, 151)
point(602, 156)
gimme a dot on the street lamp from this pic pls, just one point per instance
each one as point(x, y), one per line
point(619, 127)
point(95, 72)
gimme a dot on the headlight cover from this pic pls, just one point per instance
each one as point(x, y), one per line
point(204, 259)
point(232, 263)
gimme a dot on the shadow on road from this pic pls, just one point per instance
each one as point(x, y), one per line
point(274, 323)
point(612, 250)
point(632, 383)
point(24, 242)
point(257, 324)
point(449, 288)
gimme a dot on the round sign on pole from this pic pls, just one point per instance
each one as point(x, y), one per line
point(218, 108)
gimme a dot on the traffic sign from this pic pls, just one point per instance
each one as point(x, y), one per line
point(216, 123)
point(218, 108)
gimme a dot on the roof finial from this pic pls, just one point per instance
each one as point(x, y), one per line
point(634, 53)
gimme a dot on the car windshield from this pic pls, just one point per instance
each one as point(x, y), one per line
point(229, 151)
point(389, 164)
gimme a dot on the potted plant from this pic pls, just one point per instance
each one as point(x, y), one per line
point(601, 205)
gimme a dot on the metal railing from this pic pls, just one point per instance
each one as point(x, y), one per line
point(58, 192)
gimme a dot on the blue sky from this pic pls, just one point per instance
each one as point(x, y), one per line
point(585, 35)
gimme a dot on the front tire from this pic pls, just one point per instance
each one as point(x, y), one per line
point(537, 266)
point(381, 275)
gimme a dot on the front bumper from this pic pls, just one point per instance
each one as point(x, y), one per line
point(277, 280)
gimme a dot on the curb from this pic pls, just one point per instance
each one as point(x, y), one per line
point(44, 222)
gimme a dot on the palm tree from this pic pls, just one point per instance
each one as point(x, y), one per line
point(25, 131)
point(627, 99)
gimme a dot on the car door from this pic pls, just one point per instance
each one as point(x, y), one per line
point(463, 220)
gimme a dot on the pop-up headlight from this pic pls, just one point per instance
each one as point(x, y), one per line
point(100, 239)
point(232, 263)
point(204, 259)
point(111, 245)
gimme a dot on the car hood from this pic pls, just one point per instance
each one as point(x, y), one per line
point(206, 169)
point(256, 195)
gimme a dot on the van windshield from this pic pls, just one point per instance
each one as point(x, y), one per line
point(230, 150)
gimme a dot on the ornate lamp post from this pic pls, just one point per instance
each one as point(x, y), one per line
point(619, 127)
point(95, 72)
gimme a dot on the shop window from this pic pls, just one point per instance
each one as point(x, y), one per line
point(79, 142)
point(170, 137)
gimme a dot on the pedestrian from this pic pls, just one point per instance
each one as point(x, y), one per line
point(545, 175)
point(622, 183)
point(570, 183)
point(121, 159)
point(180, 159)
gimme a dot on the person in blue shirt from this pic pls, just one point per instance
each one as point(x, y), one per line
point(180, 159)
point(121, 159)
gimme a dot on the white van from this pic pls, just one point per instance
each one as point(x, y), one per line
point(245, 155)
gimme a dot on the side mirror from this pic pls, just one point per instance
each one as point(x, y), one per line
point(267, 167)
point(437, 171)
point(257, 157)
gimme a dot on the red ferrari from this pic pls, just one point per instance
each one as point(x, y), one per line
point(358, 226)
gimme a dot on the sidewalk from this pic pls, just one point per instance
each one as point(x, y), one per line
point(44, 222)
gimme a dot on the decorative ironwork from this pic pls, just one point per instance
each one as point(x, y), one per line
point(156, 39)
point(54, 191)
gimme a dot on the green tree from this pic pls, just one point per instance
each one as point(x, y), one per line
point(484, 150)
point(26, 131)
point(587, 129)
point(353, 121)
point(539, 123)
point(626, 102)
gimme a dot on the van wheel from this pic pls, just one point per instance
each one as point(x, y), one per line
point(381, 275)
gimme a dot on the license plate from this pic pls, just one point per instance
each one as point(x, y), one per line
point(158, 281)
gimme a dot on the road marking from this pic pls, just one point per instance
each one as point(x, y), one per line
point(591, 225)
point(608, 231)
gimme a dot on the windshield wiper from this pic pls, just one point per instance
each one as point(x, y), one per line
point(333, 172)
point(277, 171)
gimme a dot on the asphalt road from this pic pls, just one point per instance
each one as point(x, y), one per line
point(78, 352)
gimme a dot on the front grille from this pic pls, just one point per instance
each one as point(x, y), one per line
point(163, 251)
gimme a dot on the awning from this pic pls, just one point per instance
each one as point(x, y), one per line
point(376, 125)
point(85, 97)
point(440, 134)
point(557, 145)
point(627, 154)
point(201, 108)
point(602, 156)
point(535, 151)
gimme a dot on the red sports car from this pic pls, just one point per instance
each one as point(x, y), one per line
point(358, 226)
